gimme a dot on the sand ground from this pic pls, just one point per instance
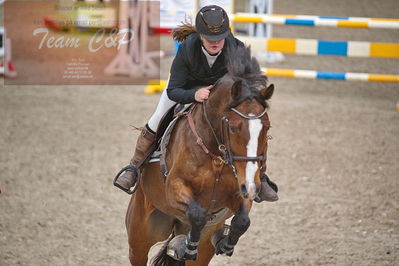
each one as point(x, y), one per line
point(334, 154)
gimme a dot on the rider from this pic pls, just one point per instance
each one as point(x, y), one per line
point(199, 63)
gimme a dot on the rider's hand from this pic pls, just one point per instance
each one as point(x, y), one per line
point(203, 93)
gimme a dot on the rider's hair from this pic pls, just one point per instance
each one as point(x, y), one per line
point(180, 33)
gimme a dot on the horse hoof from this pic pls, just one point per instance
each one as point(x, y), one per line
point(222, 247)
point(219, 241)
point(177, 247)
point(188, 256)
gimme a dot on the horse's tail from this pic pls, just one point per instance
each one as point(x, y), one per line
point(181, 32)
point(163, 259)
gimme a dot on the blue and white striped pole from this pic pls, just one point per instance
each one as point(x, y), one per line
point(302, 20)
point(320, 47)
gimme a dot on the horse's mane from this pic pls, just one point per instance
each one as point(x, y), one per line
point(245, 71)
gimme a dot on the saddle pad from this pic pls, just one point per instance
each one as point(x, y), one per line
point(159, 154)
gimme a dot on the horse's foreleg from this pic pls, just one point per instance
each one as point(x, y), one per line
point(197, 218)
point(239, 225)
point(182, 200)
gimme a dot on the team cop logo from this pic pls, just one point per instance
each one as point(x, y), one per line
point(101, 39)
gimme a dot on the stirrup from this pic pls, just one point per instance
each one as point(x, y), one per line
point(132, 168)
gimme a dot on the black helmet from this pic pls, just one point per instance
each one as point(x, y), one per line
point(212, 23)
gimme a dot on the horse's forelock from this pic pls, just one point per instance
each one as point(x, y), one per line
point(248, 92)
point(244, 68)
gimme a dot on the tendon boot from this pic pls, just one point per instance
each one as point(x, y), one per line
point(268, 191)
point(143, 145)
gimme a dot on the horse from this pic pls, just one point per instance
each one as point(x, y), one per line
point(216, 153)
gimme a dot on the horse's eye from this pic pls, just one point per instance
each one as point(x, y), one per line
point(233, 130)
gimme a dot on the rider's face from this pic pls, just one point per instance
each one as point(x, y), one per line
point(212, 47)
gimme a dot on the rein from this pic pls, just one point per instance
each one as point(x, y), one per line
point(200, 142)
point(218, 162)
point(224, 144)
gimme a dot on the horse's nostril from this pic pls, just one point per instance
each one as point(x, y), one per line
point(244, 191)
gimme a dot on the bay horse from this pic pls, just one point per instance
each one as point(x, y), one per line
point(216, 153)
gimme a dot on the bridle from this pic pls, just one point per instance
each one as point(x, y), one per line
point(223, 142)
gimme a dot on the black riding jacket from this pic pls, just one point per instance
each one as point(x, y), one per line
point(190, 69)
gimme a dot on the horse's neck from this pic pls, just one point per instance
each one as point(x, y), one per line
point(202, 126)
point(214, 109)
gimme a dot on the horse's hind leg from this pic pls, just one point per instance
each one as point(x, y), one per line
point(145, 226)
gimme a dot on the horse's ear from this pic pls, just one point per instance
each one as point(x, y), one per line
point(236, 89)
point(267, 92)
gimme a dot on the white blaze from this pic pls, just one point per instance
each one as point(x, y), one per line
point(255, 126)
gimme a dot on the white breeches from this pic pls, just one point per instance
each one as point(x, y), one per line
point(163, 106)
